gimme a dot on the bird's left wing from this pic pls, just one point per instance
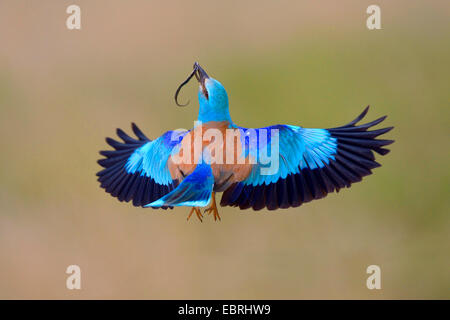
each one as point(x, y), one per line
point(310, 164)
point(137, 169)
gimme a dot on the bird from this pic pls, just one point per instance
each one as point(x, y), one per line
point(188, 167)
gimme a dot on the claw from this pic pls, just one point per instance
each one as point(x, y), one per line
point(197, 212)
point(213, 208)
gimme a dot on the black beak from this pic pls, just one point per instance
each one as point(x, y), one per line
point(201, 76)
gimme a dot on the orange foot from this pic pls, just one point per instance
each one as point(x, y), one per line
point(197, 212)
point(213, 207)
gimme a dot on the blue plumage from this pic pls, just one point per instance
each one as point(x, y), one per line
point(291, 165)
point(213, 105)
point(150, 160)
point(299, 148)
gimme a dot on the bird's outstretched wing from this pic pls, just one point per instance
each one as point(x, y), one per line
point(137, 169)
point(194, 191)
point(312, 163)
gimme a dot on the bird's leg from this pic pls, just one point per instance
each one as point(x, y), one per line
point(213, 207)
point(197, 212)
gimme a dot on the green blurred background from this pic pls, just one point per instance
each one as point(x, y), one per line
point(309, 63)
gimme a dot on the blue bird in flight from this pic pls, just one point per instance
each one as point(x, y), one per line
point(280, 166)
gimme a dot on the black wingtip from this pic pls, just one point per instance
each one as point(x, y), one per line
point(356, 120)
point(111, 142)
point(382, 151)
point(121, 134)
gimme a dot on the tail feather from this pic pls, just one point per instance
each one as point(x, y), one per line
point(194, 191)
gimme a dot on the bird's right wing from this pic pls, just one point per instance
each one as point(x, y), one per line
point(311, 164)
point(137, 169)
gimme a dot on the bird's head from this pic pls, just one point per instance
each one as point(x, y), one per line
point(212, 96)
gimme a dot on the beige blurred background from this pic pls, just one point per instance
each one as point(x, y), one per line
point(309, 63)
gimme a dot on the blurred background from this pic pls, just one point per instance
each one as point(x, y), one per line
point(306, 63)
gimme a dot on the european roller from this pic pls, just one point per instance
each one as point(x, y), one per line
point(275, 167)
